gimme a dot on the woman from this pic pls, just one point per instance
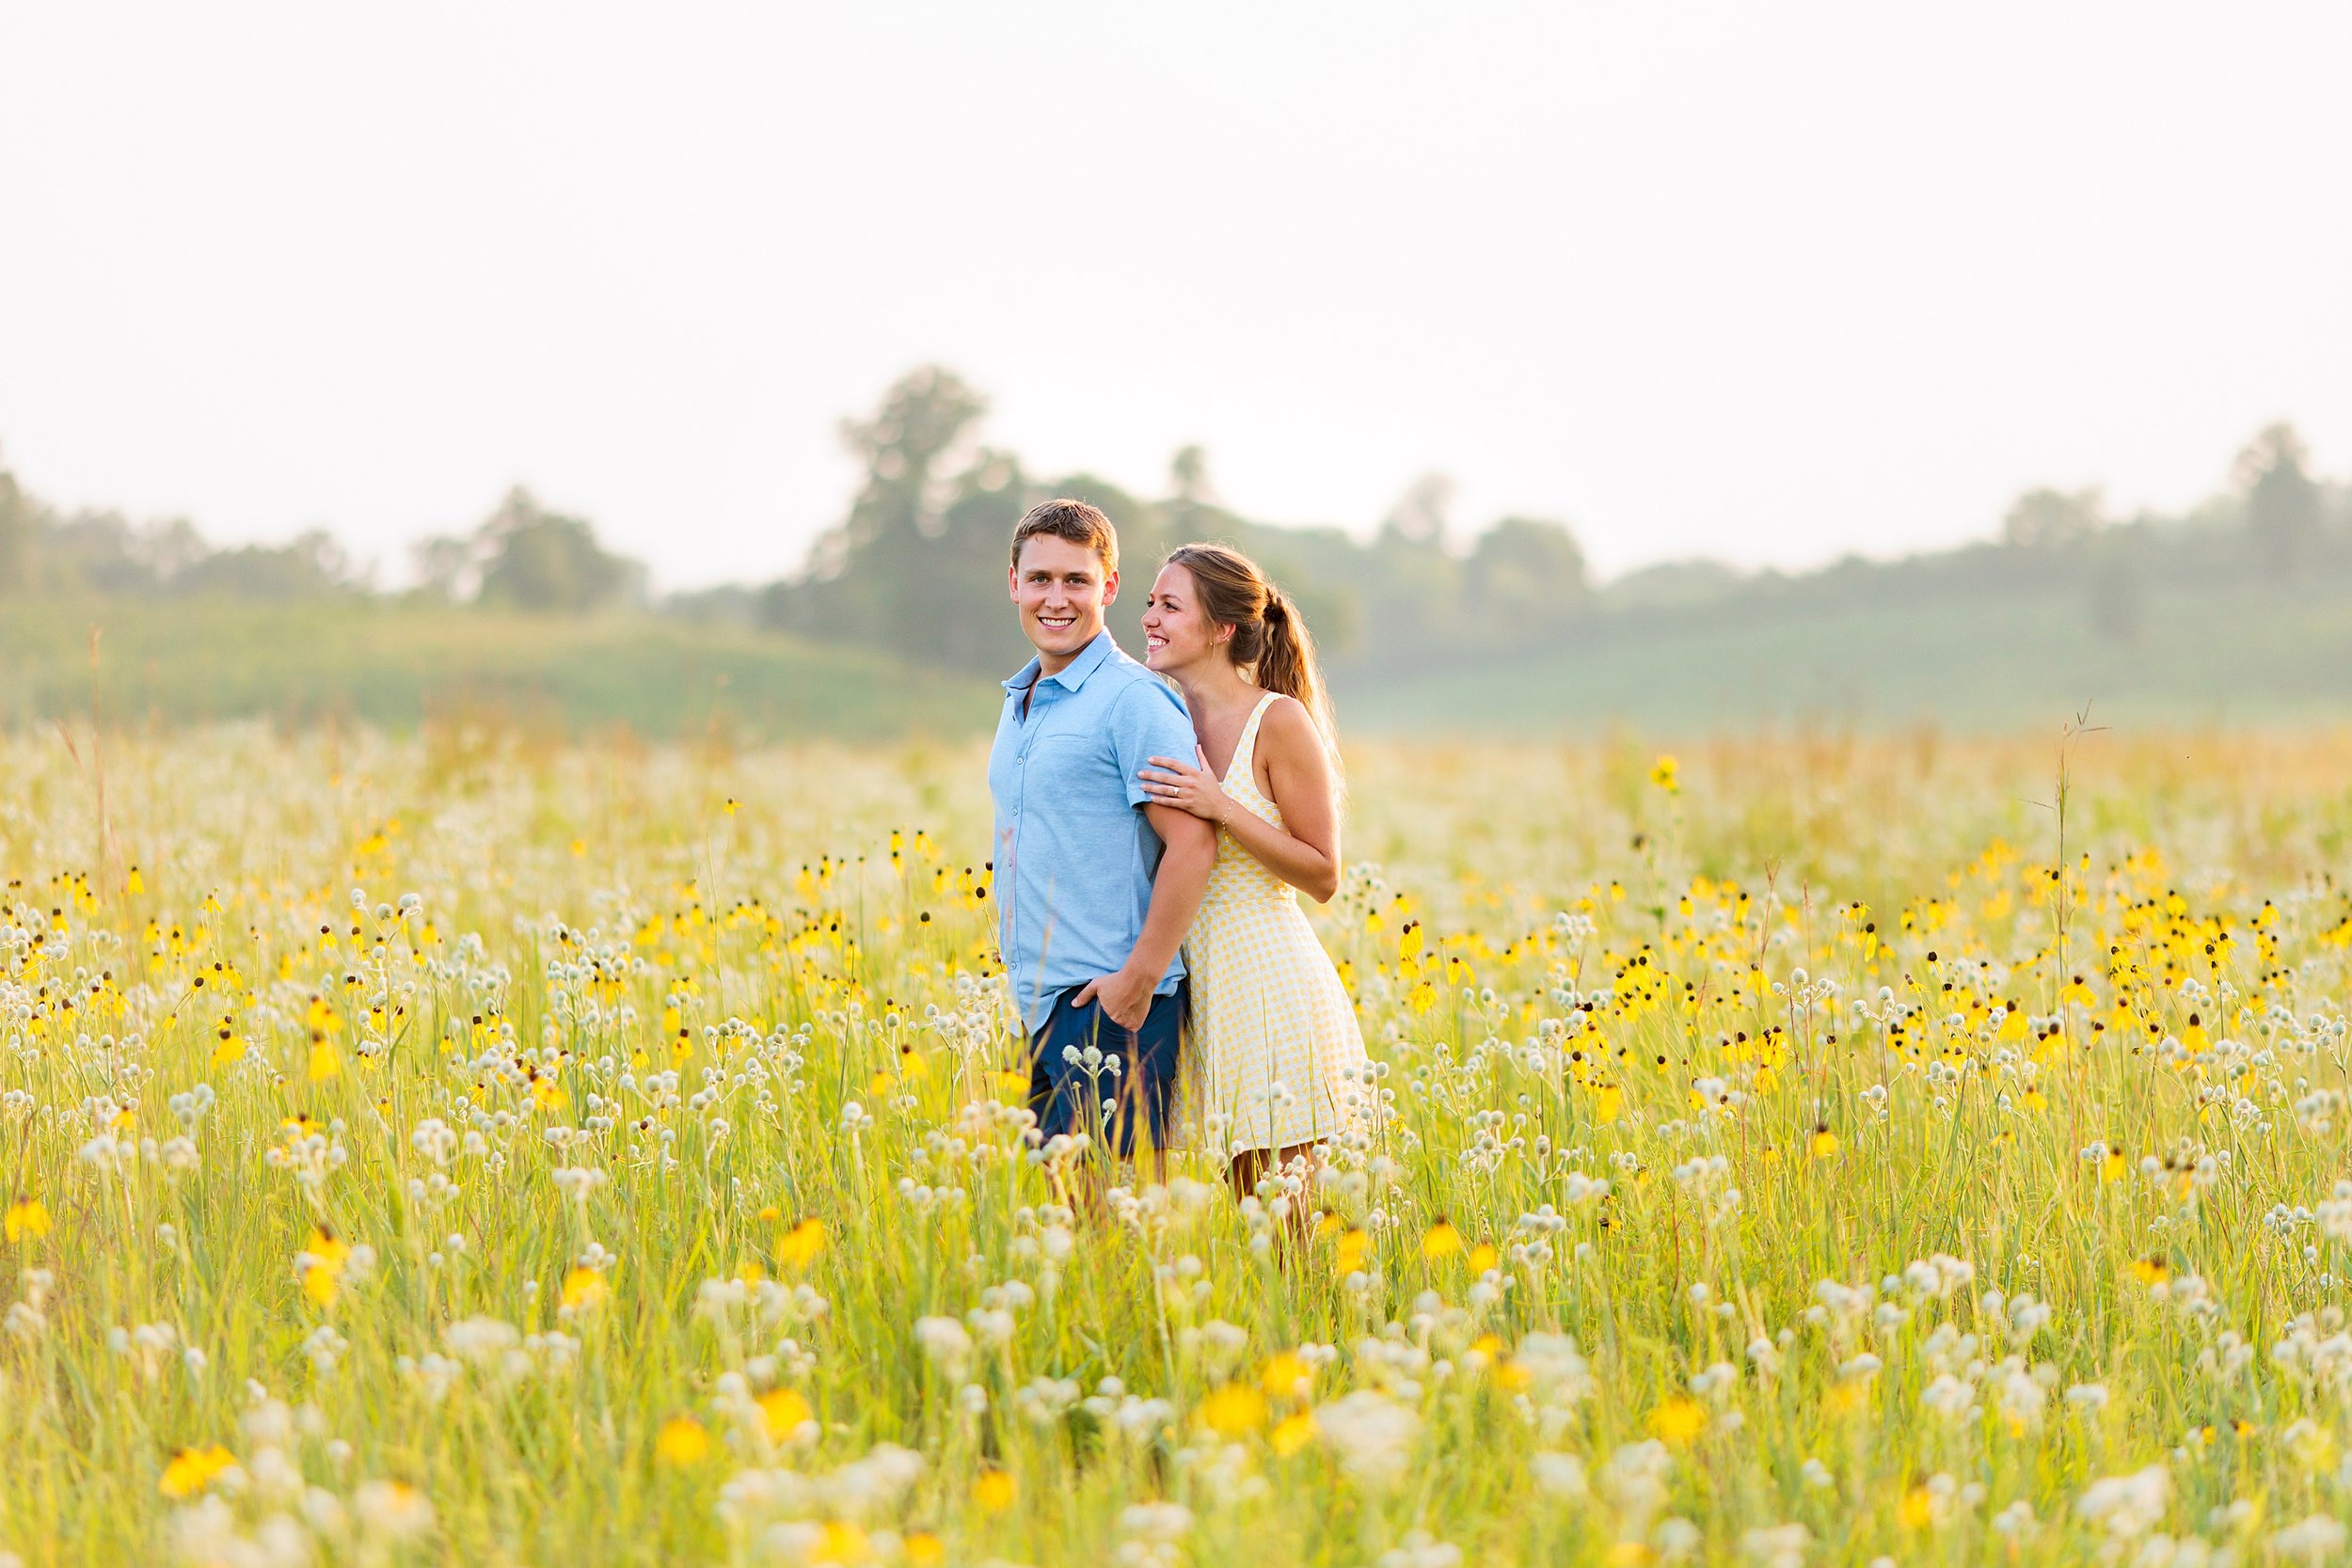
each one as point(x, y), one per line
point(1272, 1026)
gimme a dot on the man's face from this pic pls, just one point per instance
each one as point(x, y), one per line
point(1062, 590)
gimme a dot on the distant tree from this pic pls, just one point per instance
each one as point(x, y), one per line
point(18, 538)
point(1188, 478)
point(922, 419)
point(1189, 514)
point(527, 557)
point(99, 551)
point(170, 548)
point(2284, 511)
point(2051, 519)
point(310, 566)
point(535, 559)
point(1421, 514)
point(917, 565)
point(447, 568)
point(1525, 579)
point(1410, 584)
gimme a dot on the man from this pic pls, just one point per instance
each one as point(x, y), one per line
point(1096, 884)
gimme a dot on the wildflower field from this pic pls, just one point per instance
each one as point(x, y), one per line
point(481, 1149)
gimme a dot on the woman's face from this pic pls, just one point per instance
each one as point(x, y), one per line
point(1177, 632)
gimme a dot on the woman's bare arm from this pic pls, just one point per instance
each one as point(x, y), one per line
point(1305, 850)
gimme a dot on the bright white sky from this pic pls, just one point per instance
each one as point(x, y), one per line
point(1767, 282)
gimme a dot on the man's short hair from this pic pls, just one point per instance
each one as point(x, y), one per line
point(1074, 520)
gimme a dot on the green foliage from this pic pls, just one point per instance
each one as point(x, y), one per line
point(312, 565)
point(2050, 519)
point(17, 536)
point(1526, 577)
point(46, 552)
point(2284, 511)
point(528, 557)
point(918, 567)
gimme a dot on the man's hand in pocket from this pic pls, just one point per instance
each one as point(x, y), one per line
point(1125, 998)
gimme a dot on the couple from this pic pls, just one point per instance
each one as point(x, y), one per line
point(1153, 821)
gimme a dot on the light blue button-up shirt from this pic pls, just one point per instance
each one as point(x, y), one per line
point(1075, 853)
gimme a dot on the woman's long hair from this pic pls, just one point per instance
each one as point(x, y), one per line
point(1270, 637)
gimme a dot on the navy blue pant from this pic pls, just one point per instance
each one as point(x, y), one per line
point(1067, 1098)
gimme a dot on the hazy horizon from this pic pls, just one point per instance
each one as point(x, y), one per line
point(1763, 288)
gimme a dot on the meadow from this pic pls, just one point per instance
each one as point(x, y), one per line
point(480, 1147)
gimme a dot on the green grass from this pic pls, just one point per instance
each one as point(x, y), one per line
point(399, 665)
point(679, 966)
point(2240, 655)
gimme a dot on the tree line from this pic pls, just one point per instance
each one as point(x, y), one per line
point(522, 556)
point(916, 566)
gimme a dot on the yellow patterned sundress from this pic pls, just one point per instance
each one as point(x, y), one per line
point(1274, 1035)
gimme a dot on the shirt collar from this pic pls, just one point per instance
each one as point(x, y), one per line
point(1075, 674)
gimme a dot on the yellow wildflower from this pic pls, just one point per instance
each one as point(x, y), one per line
point(329, 1248)
point(1286, 1376)
point(781, 1412)
point(584, 1289)
point(995, 1491)
point(1677, 1421)
point(1232, 1411)
point(1351, 1251)
point(28, 1217)
point(321, 1266)
point(681, 1441)
point(843, 1541)
point(191, 1470)
point(802, 1244)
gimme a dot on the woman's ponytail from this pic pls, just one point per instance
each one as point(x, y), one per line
point(1286, 662)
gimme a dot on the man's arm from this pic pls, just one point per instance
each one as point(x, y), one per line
point(1188, 850)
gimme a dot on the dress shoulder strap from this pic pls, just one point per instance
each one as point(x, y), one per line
point(1245, 753)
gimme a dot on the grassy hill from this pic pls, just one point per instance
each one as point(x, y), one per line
point(2235, 652)
point(1982, 657)
point(395, 664)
